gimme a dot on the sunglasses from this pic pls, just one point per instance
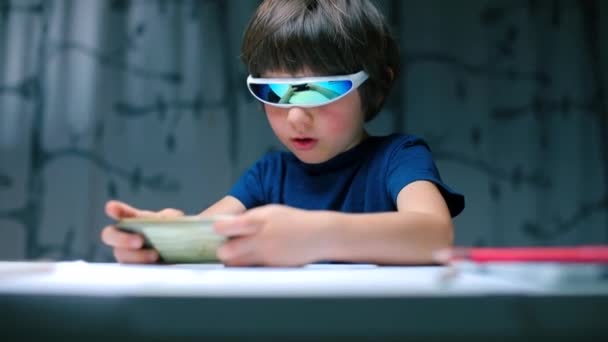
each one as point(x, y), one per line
point(304, 91)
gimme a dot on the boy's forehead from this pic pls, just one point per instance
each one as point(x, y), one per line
point(281, 74)
point(285, 74)
point(302, 72)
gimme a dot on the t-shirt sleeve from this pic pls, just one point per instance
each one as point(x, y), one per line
point(411, 160)
point(249, 189)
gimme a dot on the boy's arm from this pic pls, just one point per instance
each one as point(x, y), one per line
point(227, 205)
point(421, 226)
point(278, 235)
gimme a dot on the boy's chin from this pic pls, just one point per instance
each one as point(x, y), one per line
point(311, 157)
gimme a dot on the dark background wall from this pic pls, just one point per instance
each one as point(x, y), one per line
point(145, 101)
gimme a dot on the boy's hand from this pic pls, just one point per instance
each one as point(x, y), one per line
point(272, 235)
point(128, 247)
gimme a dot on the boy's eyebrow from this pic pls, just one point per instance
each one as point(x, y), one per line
point(287, 74)
point(289, 77)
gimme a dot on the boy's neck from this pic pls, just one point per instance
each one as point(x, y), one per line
point(359, 140)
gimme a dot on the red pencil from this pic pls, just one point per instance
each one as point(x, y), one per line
point(567, 254)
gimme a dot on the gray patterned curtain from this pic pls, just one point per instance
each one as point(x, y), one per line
point(144, 101)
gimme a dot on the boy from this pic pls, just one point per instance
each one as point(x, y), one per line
point(321, 69)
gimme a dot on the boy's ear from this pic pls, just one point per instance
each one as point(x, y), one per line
point(380, 100)
point(391, 74)
point(391, 77)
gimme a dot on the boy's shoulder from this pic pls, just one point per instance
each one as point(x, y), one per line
point(399, 141)
point(399, 137)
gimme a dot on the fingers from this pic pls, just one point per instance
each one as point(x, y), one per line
point(241, 262)
point(248, 223)
point(236, 227)
point(237, 251)
point(118, 210)
point(116, 238)
point(127, 246)
point(138, 256)
point(170, 212)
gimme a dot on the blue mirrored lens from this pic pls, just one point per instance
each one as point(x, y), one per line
point(310, 94)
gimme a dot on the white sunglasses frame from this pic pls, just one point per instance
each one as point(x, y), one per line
point(357, 79)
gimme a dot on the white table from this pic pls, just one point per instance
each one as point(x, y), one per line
point(113, 302)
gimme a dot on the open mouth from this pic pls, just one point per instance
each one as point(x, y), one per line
point(304, 143)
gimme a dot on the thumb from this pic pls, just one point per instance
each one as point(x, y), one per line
point(259, 215)
point(247, 223)
point(119, 210)
point(169, 213)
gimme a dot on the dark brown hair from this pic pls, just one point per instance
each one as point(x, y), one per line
point(327, 37)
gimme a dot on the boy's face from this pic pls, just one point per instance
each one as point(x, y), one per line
point(317, 134)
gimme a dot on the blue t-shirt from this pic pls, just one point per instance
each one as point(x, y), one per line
point(365, 179)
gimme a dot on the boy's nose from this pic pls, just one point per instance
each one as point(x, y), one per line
point(299, 118)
